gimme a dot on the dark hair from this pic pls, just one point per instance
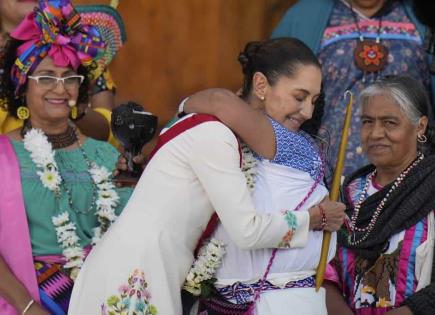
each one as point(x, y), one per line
point(275, 58)
point(7, 87)
point(411, 96)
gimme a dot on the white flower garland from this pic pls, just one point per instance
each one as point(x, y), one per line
point(42, 154)
point(204, 267)
point(248, 165)
point(211, 253)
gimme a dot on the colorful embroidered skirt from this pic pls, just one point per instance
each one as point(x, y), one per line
point(222, 302)
point(55, 287)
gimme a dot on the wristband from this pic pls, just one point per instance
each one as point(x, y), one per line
point(323, 214)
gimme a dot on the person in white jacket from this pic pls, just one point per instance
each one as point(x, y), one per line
point(141, 263)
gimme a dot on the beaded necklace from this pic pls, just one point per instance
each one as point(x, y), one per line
point(58, 141)
point(369, 228)
point(369, 55)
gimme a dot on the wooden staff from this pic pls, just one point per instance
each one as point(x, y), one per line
point(335, 189)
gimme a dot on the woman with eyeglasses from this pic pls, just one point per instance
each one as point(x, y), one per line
point(96, 112)
point(56, 194)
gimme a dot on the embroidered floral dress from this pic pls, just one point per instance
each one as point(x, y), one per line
point(195, 172)
point(394, 275)
point(279, 184)
point(406, 55)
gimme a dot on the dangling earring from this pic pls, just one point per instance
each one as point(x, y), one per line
point(23, 113)
point(4, 104)
point(74, 110)
point(359, 150)
point(421, 138)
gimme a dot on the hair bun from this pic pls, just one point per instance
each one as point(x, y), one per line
point(248, 55)
point(244, 61)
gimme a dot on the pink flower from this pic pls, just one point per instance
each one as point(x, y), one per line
point(123, 288)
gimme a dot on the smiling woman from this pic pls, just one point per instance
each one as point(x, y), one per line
point(281, 91)
point(195, 171)
point(384, 263)
point(59, 198)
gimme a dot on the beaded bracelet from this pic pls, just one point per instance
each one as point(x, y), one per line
point(28, 306)
point(323, 214)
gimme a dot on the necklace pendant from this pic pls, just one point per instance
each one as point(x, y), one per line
point(370, 56)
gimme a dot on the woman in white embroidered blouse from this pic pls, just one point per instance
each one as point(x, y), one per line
point(194, 171)
point(291, 177)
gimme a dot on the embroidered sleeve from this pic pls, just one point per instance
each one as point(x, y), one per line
point(296, 149)
point(298, 228)
point(215, 160)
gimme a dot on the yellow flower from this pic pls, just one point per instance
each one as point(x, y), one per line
point(369, 290)
point(383, 302)
point(152, 310)
point(113, 300)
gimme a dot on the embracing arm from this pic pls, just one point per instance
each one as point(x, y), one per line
point(252, 125)
point(214, 157)
point(102, 101)
point(14, 292)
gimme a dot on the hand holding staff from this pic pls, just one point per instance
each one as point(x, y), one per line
point(335, 190)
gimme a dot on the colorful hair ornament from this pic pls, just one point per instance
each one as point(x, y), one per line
point(70, 37)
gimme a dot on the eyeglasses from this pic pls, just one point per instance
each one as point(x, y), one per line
point(50, 82)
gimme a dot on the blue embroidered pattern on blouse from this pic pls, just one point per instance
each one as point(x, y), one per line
point(296, 150)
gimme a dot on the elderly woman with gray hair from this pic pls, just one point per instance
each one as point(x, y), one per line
point(384, 263)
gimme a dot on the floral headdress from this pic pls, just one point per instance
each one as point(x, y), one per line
point(86, 35)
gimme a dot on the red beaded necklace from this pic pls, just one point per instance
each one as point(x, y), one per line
point(368, 229)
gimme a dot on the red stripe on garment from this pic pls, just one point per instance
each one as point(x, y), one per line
point(173, 132)
point(179, 128)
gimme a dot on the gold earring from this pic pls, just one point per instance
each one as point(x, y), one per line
point(23, 113)
point(74, 112)
point(4, 104)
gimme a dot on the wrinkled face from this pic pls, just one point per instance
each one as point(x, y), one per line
point(387, 134)
point(50, 104)
point(290, 101)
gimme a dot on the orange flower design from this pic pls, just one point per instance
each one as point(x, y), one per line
point(371, 54)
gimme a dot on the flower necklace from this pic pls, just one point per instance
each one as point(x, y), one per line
point(369, 55)
point(211, 253)
point(369, 228)
point(248, 165)
point(42, 154)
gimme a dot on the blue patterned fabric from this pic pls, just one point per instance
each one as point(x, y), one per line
point(244, 293)
point(296, 150)
point(406, 55)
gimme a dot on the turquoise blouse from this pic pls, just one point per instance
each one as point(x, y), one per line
point(41, 204)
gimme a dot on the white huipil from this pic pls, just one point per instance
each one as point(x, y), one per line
point(279, 187)
point(152, 241)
